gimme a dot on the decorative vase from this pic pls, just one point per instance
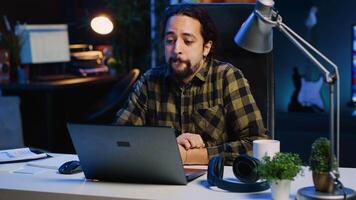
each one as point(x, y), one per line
point(323, 182)
point(280, 189)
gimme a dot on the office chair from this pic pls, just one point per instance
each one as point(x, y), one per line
point(257, 68)
point(105, 109)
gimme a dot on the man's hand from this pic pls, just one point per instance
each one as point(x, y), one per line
point(183, 153)
point(190, 141)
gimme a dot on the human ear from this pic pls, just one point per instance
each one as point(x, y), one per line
point(207, 47)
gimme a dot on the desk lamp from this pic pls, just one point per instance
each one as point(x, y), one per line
point(256, 35)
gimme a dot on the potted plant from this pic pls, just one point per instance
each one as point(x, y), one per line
point(280, 171)
point(319, 164)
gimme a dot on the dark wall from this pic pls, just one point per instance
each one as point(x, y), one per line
point(332, 37)
point(75, 13)
point(35, 11)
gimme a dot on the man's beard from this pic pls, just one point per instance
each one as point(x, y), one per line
point(181, 74)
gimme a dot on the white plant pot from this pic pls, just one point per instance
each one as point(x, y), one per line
point(280, 189)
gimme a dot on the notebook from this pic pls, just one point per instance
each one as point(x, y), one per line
point(138, 154)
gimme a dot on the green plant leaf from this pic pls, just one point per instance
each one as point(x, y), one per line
point(281, 166)
point(319, 158)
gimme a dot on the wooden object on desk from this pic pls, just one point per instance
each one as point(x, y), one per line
point(58, 84)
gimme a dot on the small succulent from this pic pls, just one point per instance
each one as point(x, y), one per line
point(320, 156)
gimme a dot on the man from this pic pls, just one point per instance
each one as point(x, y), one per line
point(208, 102)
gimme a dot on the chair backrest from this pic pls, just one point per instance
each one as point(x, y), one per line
point(10, 123)
point(257, 68)
point(105, 109)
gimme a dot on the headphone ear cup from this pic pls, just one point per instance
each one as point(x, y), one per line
point(245, 168)
point(215, 169)
point(215, 178)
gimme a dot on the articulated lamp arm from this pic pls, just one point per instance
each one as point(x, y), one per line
point(332, 79)
point(256, 35)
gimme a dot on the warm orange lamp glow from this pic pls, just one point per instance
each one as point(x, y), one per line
point(102, 25)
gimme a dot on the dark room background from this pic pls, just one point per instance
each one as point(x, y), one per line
point(332, 36)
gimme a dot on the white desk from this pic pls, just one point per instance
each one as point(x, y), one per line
point(48, 184)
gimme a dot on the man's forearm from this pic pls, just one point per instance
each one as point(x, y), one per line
point(197, 156)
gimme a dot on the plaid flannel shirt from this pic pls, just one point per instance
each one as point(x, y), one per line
point(217, 104)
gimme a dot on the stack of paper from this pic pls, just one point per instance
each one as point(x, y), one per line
point(22, 154)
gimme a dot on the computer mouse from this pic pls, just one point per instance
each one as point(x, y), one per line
point(70, 167)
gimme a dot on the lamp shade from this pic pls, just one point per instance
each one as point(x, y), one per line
point(255, 35)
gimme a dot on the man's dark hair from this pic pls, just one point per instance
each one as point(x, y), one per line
point(208, 29)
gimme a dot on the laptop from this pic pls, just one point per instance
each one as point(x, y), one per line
point(138, 154)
